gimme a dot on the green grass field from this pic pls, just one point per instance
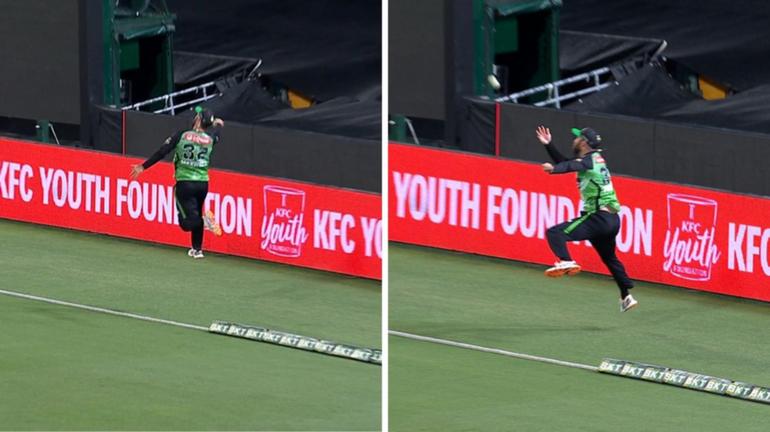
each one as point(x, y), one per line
point(512, 306)
point(63, 368)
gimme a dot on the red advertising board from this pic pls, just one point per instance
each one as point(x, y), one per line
point(276, 220)
point(684, 236)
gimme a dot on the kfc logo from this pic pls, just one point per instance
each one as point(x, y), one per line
point(689, 251)
point(283, 232)
point(198, 139)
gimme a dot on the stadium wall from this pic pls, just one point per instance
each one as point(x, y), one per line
point(678, 235)
point(284, 221)
point(268, 151)
point(718, 158)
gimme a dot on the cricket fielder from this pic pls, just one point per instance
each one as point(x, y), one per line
point(599, 222)
point(192, 158)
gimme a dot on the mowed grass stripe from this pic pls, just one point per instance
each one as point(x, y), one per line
point(102, 310)
point(70, 369)
point(163, 281)
point(437, 387)
point(511, 306)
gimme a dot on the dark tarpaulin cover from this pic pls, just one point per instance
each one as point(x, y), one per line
point(581, 52)
point(727, 41)
point(340, 116)
point(328, 50)
point(747, 111)
point(649, 92)
point(652, 93)
point(247, 102)
point(321, 48)
point(191, 69)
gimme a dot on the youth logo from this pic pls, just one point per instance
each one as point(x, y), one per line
point(283, 232)
point(689, 250)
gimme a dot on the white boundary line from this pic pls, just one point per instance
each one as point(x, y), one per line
point(103, 310)
point(132, 315)
point(493, 350)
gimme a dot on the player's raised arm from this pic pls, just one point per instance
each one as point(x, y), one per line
point(544, 136)
point(216, 129)
point(166, 148)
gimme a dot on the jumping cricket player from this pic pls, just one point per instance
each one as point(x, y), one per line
point(599, 222)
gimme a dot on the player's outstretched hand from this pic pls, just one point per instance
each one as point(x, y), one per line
point(218, 122)
point(136, 170)
point(543, 134)
point(547, 167)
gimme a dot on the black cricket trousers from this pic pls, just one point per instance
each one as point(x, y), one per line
point(190, 197)
point(600, 229)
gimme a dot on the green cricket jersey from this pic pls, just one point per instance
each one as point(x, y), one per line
point(595, 186)
point(192, 156)
point(594, 180)
point(192, 153)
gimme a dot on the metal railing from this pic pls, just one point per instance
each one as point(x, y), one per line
point(412, 131)
point(208, 90)
point(41, 131)
point(408, 124)
point(53, 131)
point(555, 97)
